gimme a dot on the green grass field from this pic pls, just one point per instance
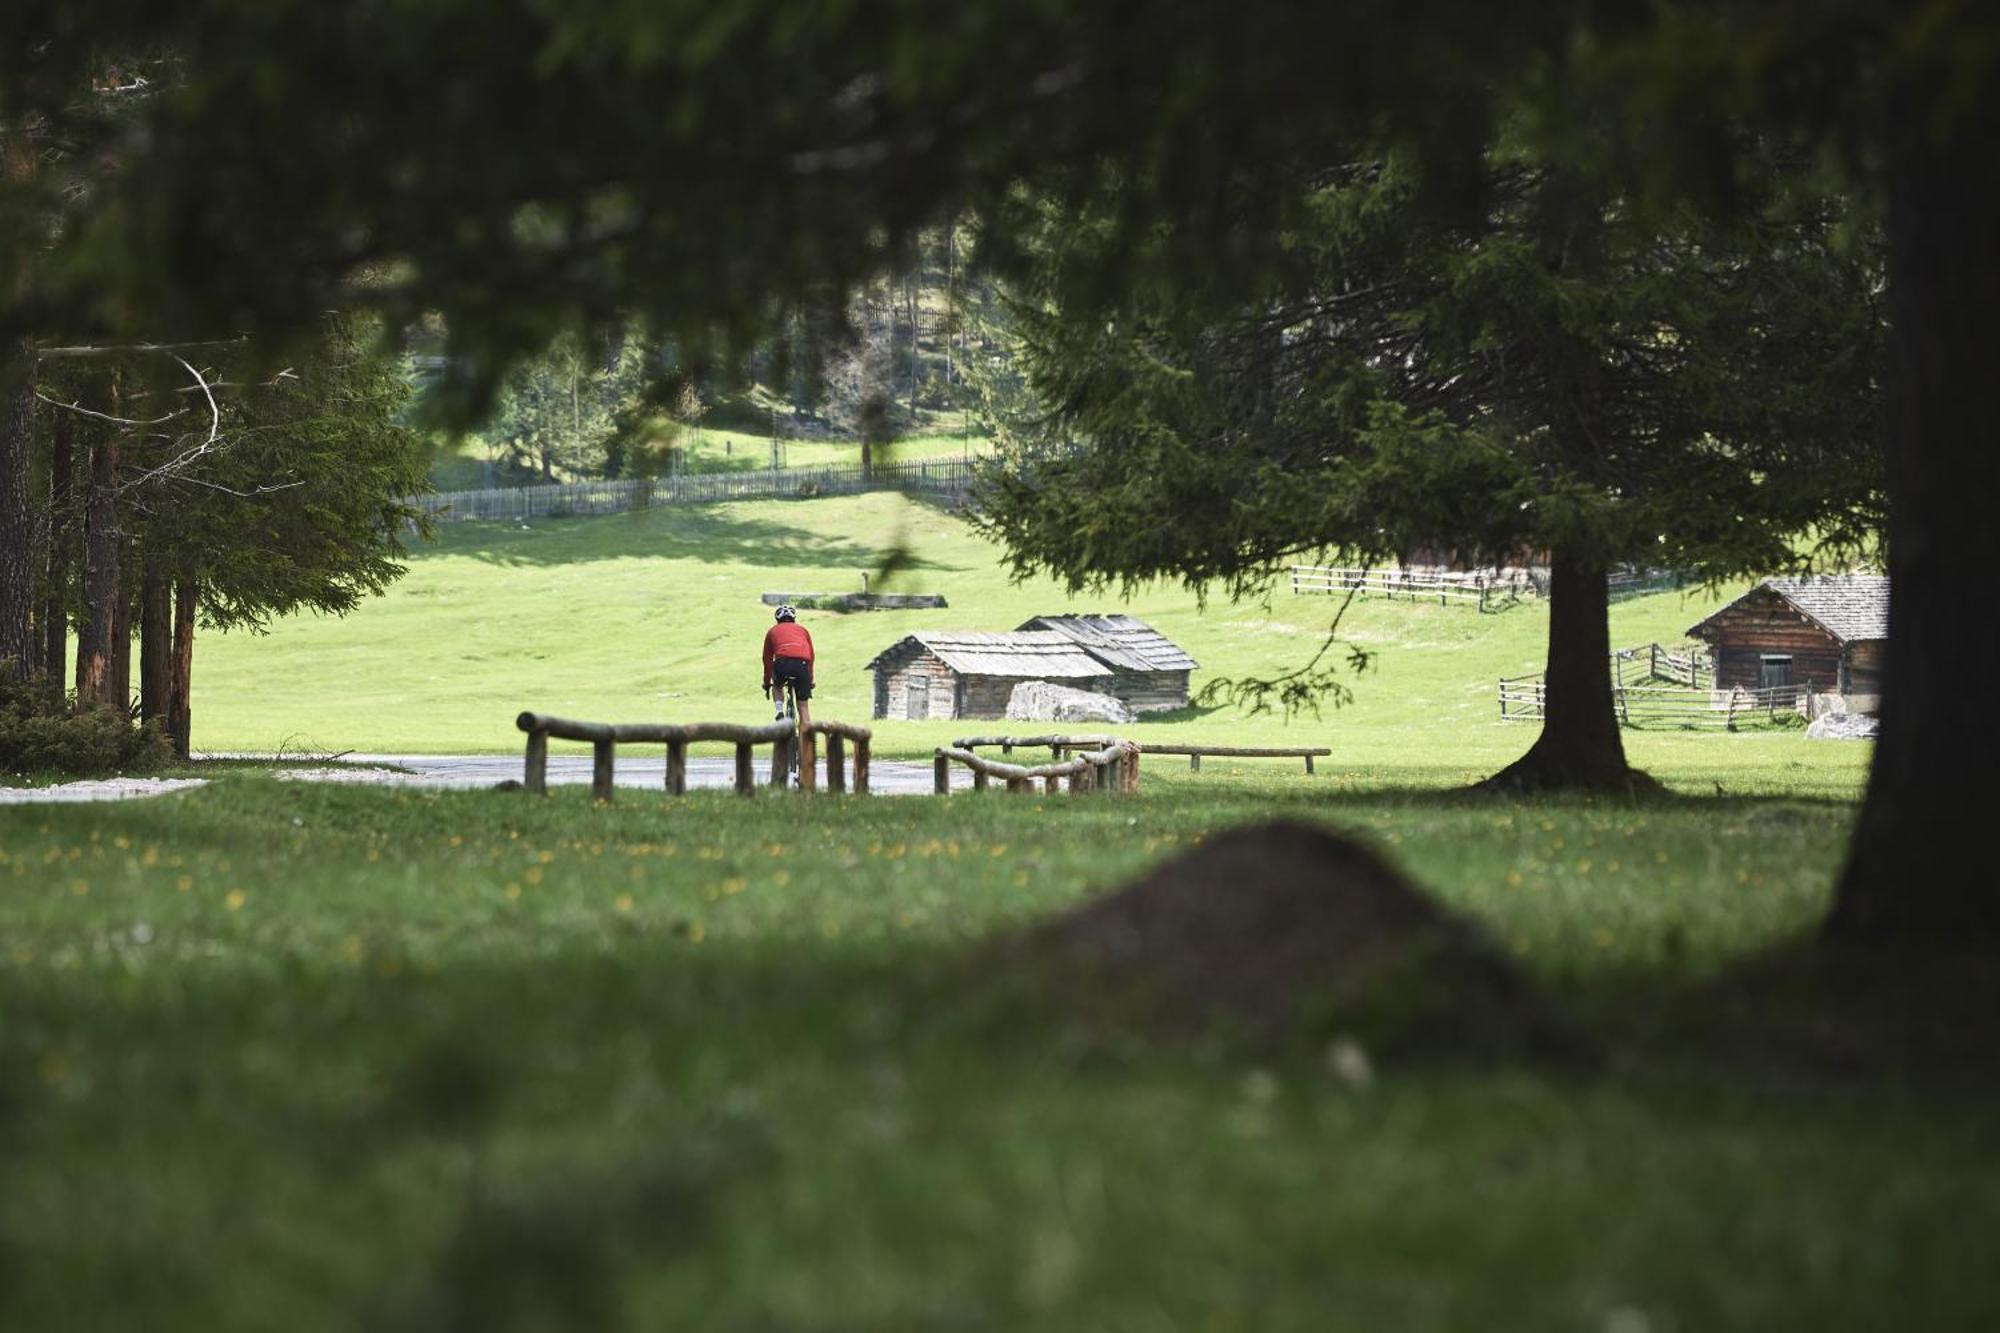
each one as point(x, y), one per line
point(283, 1055)
point(654, 616)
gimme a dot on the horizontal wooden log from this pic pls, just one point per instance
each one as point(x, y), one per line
point(844, 730)
point(1241, 751)
point(1068, 742)
point(568, 729)
point(994, 768)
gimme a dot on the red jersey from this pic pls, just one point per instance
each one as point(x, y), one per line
point(787, 638)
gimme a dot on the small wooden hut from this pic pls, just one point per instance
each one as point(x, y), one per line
point(1822, 635)
point(1149, 671)
point(948, 674)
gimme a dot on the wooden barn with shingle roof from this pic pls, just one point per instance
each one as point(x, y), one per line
point(953, 674)
point(1822, 634)
point(1149, 671)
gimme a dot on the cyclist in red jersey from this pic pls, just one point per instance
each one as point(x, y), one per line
point(788, 657)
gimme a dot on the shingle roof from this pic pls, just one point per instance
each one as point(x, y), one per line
point(1851, 607)
point(1124, 642)
point(1039, 654)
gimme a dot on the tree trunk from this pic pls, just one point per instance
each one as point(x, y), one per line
point(1579, 748)
point(180, 674)
point(1913, 866)
point(120, 684)
point(55, 607)
point(98, 624)
point(950, 302)
point(17, 574)
point(911, 292)
point(156, 648)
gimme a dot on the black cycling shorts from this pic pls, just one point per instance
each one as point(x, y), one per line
point(795, 670)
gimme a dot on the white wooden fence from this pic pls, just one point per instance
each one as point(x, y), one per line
point(943, 476)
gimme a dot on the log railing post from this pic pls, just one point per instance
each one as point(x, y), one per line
point(1051, 785)
point(1194, 761)
point(746, 783)
point(1309, 763)
point(1079, 781)
point(677, 768)
point(861, 766)
point(781, 760)
point(978, 780)
point(536, 779)
point(600, 770)
point(836, 763)
point(808, 745)
point(941, 776)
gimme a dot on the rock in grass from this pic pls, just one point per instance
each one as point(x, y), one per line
point(1283, 934)
point(1045, 701)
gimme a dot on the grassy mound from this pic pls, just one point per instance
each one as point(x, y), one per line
point(1278, 933)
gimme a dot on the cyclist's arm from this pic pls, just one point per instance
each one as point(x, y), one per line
point(769, 653)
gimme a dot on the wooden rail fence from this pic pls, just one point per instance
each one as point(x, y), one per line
point(1681, 701)
point(944, 476)
point(604, 739)
point(1113, 768)
point(1061, 744)
point(1416, 584)
point(1424, 582)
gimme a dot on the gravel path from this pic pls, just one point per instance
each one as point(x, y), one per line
point(104, 789)
point(475, 771)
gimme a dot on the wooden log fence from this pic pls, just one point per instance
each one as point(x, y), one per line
point(1059, 745)
point(1111, 769)
point(604, 738)
point(1427, 582)
point(938, 476)
point(1523, 699)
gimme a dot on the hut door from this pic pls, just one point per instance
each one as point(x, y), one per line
point(917, 702)
point(1773, 673)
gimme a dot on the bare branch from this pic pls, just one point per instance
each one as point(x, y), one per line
point(83, 411)
point(128, 349)
point(214, 412)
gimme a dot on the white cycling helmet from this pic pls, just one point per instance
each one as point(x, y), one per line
point(785, 611)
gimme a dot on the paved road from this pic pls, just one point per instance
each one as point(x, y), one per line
point(473, 771)
point(885, 777)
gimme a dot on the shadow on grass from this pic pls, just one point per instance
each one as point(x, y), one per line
point(709, 533)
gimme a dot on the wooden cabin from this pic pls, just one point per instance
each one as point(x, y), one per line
point(948, 674)
point(1149, 672)
point(1820, 635)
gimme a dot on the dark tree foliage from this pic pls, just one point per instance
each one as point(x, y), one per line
point(525, 168)
point(1560, 373)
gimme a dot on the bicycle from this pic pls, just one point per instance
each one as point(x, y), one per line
point(786, 701)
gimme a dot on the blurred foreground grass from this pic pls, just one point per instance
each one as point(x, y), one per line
point(279, 1055)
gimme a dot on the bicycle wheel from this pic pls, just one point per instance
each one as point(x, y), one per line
point(798, 741)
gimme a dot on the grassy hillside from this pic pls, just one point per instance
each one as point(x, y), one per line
point(655, 616)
